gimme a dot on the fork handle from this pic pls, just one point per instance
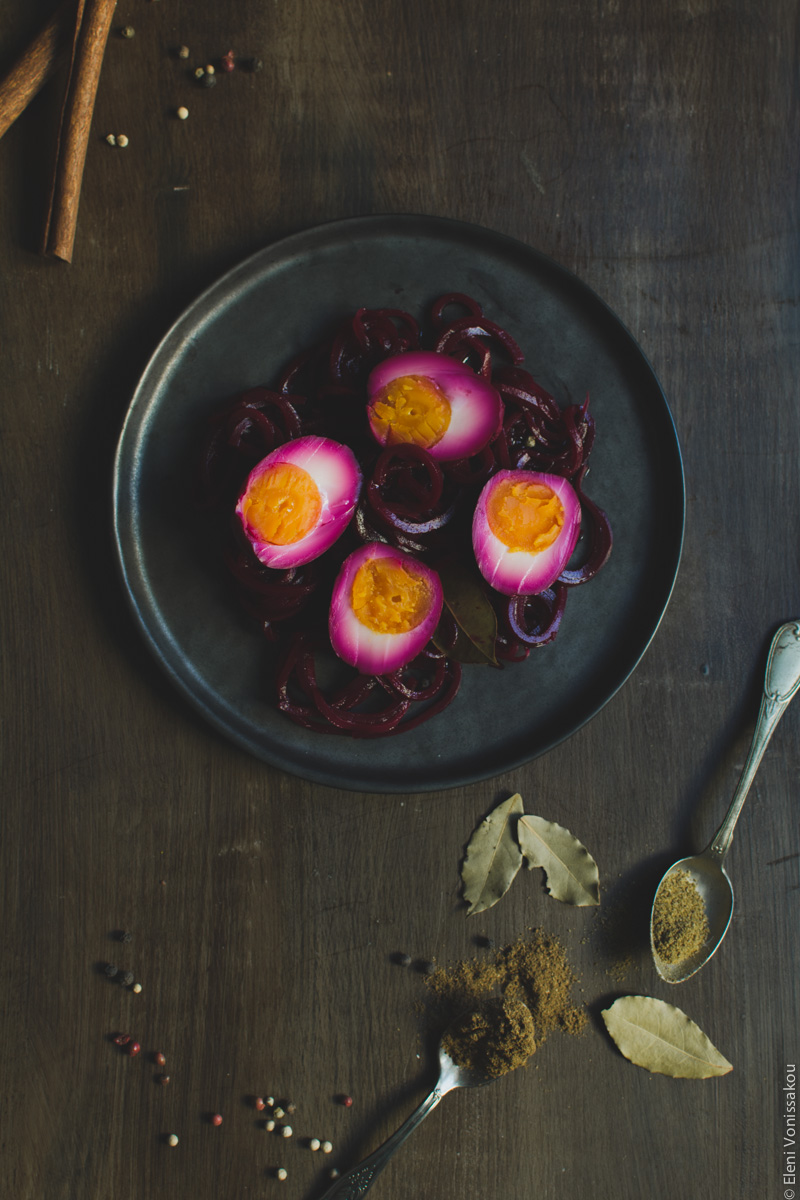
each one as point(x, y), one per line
point(359, 1179)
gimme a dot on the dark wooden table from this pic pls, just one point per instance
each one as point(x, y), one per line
point(651, 149)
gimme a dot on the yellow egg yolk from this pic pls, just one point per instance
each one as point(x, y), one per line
point(388, 598)
point(525, 516)
point(283, 504)
point(411, 409)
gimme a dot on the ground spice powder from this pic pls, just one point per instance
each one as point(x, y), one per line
point(680, 924)
point(493, 1039)
point(532, 969)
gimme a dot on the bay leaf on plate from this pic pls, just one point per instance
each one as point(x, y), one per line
point(661, 1038)
point(465, 596)
point(572, 874)
point(493, 856)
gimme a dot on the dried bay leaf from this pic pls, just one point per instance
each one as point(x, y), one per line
point(493, 856)
point(661, 1038)
point(572, 874)
point(465, 596)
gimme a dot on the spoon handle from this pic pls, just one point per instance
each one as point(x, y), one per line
point(781, 682)
point(359, 1179)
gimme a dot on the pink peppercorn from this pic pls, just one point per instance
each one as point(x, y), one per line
point(159, 1059)
point(259, 1104)
point(228, 61)
point(133, 1049)
point(216, 1119)
point(122, 1039)
point(346, 1101)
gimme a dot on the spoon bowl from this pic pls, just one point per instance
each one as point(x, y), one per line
point(706, 870)
point(716, 891)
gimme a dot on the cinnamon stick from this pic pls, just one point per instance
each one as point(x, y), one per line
point(92, 25)
point(35, 65)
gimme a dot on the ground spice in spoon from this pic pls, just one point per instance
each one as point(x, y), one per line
point(533, 969)
point(680, 924)
point(493, 1039)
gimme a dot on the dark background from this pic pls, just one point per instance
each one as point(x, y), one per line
point(651, 148)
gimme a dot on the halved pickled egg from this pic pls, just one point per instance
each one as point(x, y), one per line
point(433, 401)
point(298, 500)
point(384, 609)
point(524, 530)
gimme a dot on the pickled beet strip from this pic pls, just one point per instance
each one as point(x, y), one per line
point(446, 697)
point(366, 321)
point(450, 298)
point(401, 461)
point(402, 685)
point(535, 620)
point(600, 539)
point(299, 665)
point(467, 472)
point(470, 327)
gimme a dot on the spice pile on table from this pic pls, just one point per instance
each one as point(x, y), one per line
point(533, 970)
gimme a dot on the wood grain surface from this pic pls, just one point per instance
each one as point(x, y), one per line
point(649, 147)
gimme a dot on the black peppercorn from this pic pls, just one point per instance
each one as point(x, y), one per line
point(124, 936)
point(127, 978)
point(111, 971)
point(252, 64)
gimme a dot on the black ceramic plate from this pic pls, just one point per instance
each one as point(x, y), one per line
point(241, 332)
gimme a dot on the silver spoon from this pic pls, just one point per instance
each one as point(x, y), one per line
point(781, 682)
point(359, 1179)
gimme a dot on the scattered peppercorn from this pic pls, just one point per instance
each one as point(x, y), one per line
point(346, 1101)
point(402, 960)
point(333, 1173)
point(286, 1131)
point(258, 1104)
point(216, 1119)
point(172, 1140)
point(128, 31)
point(278, 1112)
point(111, 971)
point(425, 967)
point(199, 72)
point(163, 1080)
point(269, 1126)
point(253, 64)
point(121, 1039)
point(208, 81)
point(209, 69)
point(112, 141)
point(291, 1108)
point(124, 936)
point(327, 1147)
point(281, 1173)
point(314, 1144)
point(127, 978)
point(123, 141)
point(182, 113)
point(270, 1101)
point(183, 51)
point(159, 1059)
point(228, 62)
point(133, 1049)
